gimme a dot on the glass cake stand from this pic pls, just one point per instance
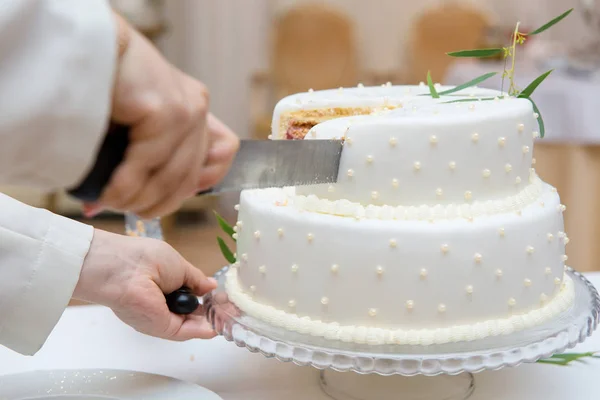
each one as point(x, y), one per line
point(437, 372)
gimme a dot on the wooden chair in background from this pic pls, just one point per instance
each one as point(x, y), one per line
point(449, 27)
point(313, 46)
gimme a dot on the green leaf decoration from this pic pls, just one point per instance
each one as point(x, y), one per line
point(466, 85)
point(568, 358)
point(227, 253)
point(478, 53)
point(539, 119)
point(472, 99)
point(228, 229)
point(528, 91)
point(551, 23)
point(432, 90)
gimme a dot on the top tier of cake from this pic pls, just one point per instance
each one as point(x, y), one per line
point(413, 150)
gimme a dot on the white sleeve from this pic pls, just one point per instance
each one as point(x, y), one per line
point(57, 67)
point(41, 255)
point(56, 73)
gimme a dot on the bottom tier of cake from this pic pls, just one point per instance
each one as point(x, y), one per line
point(389, 281)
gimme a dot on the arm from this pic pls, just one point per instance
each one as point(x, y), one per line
point(56, 79)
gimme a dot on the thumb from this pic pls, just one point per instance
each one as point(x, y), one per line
point(197, 281)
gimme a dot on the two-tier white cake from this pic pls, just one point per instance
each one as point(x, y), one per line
point(438, 229)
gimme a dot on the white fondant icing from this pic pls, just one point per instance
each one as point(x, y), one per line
point(430, 207)
point(371, 135)
point(420, 337)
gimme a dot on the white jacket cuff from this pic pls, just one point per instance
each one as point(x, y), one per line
point(41, 255)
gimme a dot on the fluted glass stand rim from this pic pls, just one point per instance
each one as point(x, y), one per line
point(563, 332)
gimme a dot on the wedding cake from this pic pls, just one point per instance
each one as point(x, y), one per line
point(438, 229)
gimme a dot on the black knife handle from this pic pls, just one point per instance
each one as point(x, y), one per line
point(110, 155)
point(182, 301)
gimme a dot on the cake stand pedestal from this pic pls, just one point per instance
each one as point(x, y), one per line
point(351, 371)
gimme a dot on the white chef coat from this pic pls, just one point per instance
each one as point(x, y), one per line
point(57, 61)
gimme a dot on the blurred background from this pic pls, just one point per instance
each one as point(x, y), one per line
point(250, 53)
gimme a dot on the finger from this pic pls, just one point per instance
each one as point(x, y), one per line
point(127, 180)
point(172, 200)
point(167, 182)
point(211, 175)
point(193, 327)
point(224, 143)
point(197, 281)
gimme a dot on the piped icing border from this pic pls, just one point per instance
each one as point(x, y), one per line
point(346, 208)
point(417, 337)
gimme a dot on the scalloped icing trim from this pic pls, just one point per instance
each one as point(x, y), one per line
point(378, 336)
point(346, 208)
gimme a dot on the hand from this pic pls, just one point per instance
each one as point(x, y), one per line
point(132, 274)
point(177, 147)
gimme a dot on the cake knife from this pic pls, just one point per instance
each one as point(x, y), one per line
point(257, 164)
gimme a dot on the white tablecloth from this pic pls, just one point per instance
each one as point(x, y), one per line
point(92, 337)
point(569, 105)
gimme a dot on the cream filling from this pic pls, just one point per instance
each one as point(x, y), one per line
point(345, 208)
point(378, 336)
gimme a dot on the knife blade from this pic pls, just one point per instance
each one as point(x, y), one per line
point(257, 164)
point(278, 163)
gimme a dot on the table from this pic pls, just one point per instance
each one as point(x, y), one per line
point(568, 157)
point(92, 337)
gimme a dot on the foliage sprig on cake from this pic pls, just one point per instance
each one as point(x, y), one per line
point(509, 55)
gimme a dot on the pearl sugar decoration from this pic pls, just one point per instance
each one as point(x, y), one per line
point(369, 159)
point(512, 302)
point(469, 289)
point(257, 234)
point(423, 273)
point(486, 173)
point(292, 303)
point(324, 301)
point(393, 243)
point(442, 308)
point(520, 127)
point(527, 282)
point(379, 270)
point(417, 165)
point(452, 165)
point(393, 141)
point(372, 312)
point(410, 305)
point(445, 248)
point(310, 237)
point(294, 268)
point(501, 141)
point(262, 269)
point(433, 139)
point(529, 249)
point(475, 137)
point(335, 268)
